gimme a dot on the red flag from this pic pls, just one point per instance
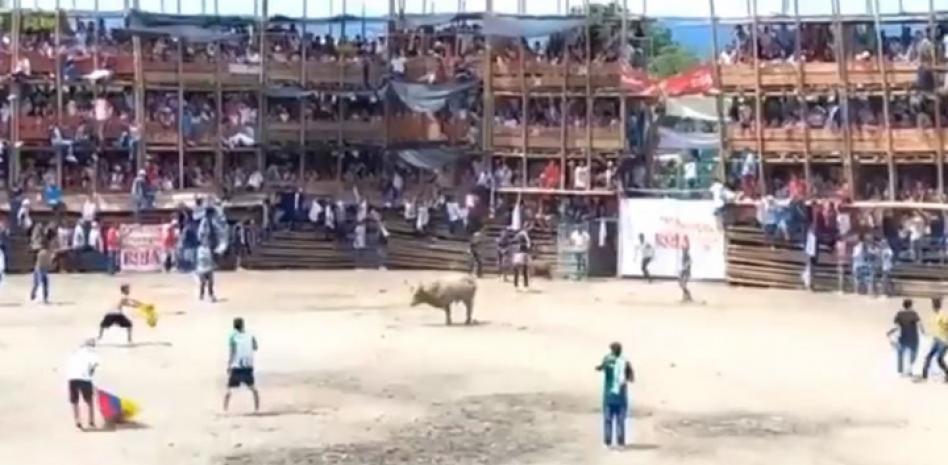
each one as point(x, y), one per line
point(697, 80)
point(637, 81)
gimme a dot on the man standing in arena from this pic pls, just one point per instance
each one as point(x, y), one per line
point(684, 271)
point(645, 253)
point(116, 316)
point(617, 373)
point(939, 341)
point(242, 346)
point(907, 325)
point(79, 369)
point(205, 271)
point(44, 263)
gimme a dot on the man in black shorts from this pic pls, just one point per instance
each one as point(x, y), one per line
point(79, 370)
point(240, 363)
point(116, 316)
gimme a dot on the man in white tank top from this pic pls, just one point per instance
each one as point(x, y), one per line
point(240, 363)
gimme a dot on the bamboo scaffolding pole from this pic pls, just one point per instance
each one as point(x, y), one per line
point(139, 93)
point(219, 108)
point(261, 17)
point(842, 70)
point(723, 151)
point(57, 42)
point(758, 101)
point(17, 93)
point(564, 127)
point(180, 140)
point(940, 163)
point(623, 95)
point(303, 100)
point(525, 111)
point(801, 95)
point(590, 99)
point(886, 110)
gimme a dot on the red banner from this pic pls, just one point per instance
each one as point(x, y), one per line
point(695, 81)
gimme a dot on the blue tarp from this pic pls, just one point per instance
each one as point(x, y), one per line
point(529, 26)
point(141, 19)
point(430, 158)
point(428, 98)
point(187, 32)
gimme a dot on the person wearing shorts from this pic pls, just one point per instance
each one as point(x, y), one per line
point(243, 345)
point(116, 316)
point(79, 369)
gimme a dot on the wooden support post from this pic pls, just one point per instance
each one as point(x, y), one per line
point(801, 97)
point(758, 102)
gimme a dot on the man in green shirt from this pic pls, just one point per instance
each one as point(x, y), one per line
point(617, 373)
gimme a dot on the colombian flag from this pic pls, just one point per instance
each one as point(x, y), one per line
point(115, 409)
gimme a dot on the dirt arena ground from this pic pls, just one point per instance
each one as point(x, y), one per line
point(350, 374)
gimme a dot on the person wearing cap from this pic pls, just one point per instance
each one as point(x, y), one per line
point(242, 346)
point(617, 373)
point(80, 369)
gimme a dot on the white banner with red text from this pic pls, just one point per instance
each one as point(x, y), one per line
point(141, 247)
point(666, 224)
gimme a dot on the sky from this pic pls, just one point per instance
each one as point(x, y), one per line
point(656, 8)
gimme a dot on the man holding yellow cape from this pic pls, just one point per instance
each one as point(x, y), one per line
point(116, 315)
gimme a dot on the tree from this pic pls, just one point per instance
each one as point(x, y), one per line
point(667, 57)
point(664, 55)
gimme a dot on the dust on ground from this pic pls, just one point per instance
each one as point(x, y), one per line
point(350, 374)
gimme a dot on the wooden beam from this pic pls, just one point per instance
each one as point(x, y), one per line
point(723, 151)
point(940, 164)
point(758, 102)
point(801, 96)
point(886, 110)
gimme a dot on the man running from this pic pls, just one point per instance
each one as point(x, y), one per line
point(617, 373)
point(240, 363)
point(79, 369)
point(116, 316)
point(939, 341)
point(907, 325)
point(684, 273)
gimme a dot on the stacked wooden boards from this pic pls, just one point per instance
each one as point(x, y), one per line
point(756, 260)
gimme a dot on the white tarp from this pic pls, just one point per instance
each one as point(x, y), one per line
point(696, 107)
point(665, 223)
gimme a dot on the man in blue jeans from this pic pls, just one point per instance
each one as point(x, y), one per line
point(44, 262)
point(617, 373)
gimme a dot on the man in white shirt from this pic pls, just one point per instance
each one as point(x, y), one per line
point(242, 345)
point(255, 181)
point(645, 253)
point(580, 242)
point(691, 173)
point(89, 210)
point(80, 368)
